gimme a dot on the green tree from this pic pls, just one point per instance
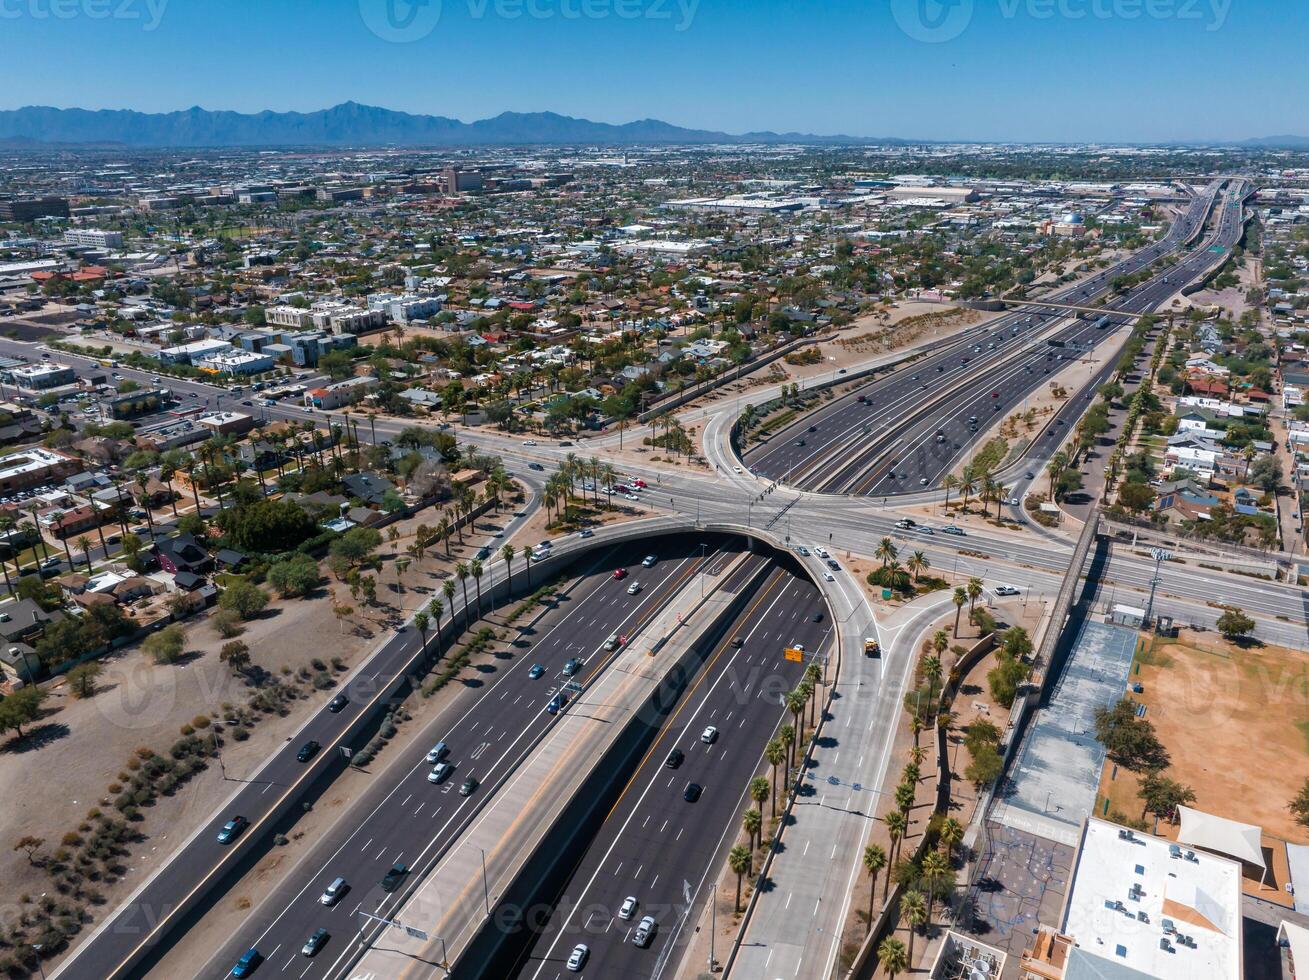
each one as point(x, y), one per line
point(1162, 796)
point(741, 861)
point(165, 646)
point(293, 576)
point(985, 766)
point(21, 708)
point(874, 862)
point(236, 655)
point(82, 679)
point(959, 598)
point(245, 598)
point(1128, 740)
point(891, 957)
point(752, 822)
point(913, 908)
point(1235, 625)
point(1299, 805)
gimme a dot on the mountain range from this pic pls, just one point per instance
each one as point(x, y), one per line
point(352, 124)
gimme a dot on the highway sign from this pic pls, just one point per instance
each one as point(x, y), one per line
point(792, 653)
point(413, 933)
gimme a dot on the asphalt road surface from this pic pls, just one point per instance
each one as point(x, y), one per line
point(656, 846)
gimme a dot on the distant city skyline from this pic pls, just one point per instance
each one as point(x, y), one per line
point(1131, 71)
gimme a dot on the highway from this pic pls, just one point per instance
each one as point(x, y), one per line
point(137, 925)
point(897, 440)
point(654, 845)
point(410, 820)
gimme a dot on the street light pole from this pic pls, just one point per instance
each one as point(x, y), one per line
point(1160, 556)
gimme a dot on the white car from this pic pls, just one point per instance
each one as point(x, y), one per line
point(1007, 590)
point(634, 588)
point(821, 552)
point(828, 577)
point(631, 496)
point(530, 442)
point(736, 469)
point(709, 736)
point(628, 908)
point(577, 958)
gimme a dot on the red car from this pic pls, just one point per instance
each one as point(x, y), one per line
point(639, 483)
point(620, 573)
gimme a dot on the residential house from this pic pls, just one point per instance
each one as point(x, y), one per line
point(183, 553)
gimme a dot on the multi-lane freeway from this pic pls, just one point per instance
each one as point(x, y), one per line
point(905, 432)
point(412, 821)
point(659, 848)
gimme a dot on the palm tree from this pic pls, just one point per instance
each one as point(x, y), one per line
point(421, 624)
point(874, 862)
point(940, 640)
point(787, 735)
point(476, 570)
point(527, 557)
point(932, 671)
point(949, 483)
point(741, 861)
point(1054, 468)
point(55, 520)
point(760, 790)
point(914, 911)
point(775, 753)
point(84, 546)
point(436, 607)
point(974, 593)
point(896, 825)
point(461, 573)
point(952, 832)
point(896, 576)
point(795, 703)
point(934, 869)
point(752, 823)
point(967, 487)
point(886, 551)
point(959, 598)
point(507, 553)
point(448, 590)
point(891, 957)
point(904, 797)
point(917, 563)
point(443, 530)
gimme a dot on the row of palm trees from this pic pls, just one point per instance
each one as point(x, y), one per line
point(915, 906)
point(782, 749)
point(988, 491)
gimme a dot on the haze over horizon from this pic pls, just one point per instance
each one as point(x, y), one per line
point(968, 70)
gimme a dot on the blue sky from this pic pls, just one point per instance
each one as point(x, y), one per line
point(979, 69)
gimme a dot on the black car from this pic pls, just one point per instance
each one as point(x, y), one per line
point(391, 880)
point(308, 751)
point(674, 759)
point(817, 617)
point(337, 703)
point(692, 792)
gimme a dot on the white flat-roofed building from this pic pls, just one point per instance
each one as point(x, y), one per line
point(289, 316)
point(194, 351)
point(235, 361)
point(40, 376)
point(33, 467)
point(1142, 906)
point(94, 238)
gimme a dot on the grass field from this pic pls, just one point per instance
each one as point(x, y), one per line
point(1236, 724)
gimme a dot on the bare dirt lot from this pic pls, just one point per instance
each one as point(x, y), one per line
point(1235, 722)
